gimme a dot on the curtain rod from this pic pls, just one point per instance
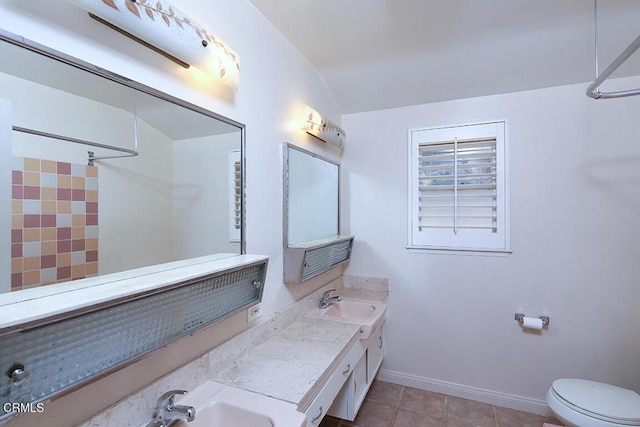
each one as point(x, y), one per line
point(592, 90)
point(129, 152)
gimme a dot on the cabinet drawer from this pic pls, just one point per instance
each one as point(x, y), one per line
point(322, 402)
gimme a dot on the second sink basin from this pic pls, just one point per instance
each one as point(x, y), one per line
point(368, 314)
point(350, 310)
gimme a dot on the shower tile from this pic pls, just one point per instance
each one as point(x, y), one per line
point(48, 276)
point(48, 248)
point(31, 192)
point(48, 166)
point(17, 221)
point(92, 219)
point(77, 271)
point(78, 233)
point(32, 165)
point(64, 181)
point(48, 180)
point(31, 235)
point(31, 179)
point(92, 171)
point(78, 194)
point(64, 260)
point(65, 220)
point(77, 245)
point(78, 258)
point(16, 265)
point(91, 183)
point(49, 207)
point(64, 168)
point(17, 192)
point(16, 281)
point(16, 206)
point(79, 208)
point(78, 170)
point(92, 195)
point(64, 207)
point(16, 177)
point(31, 207)
point(31, 221)
point(77, 182)
point(47, 261)
point(31, 277)
point(16, 250)
point(64, 193)
point(48, 193)
point(92, 207)
point(92, 232)
point(79, 220)
point(16, 236)
point(92, 244)
point(48, 234)
point(31, 249)
point(92, 268)
point(31, 263)
point(64, 246)
point(92, 256)
point(48, 220)
point(64, 273)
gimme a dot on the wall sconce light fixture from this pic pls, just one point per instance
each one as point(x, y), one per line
point(323, 129)
point(160, 26)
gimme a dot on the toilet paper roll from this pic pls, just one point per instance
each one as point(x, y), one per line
point(532, 323)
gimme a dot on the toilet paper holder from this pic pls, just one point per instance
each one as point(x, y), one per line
point(520, 318)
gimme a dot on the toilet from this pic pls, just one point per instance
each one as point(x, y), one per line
point(582, 403)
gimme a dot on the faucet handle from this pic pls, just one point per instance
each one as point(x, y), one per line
point(165, 401)
point(327, 293)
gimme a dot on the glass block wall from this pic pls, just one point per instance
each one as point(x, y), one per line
point(54, 222)
point(70, 352)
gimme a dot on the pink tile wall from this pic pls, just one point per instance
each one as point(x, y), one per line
point(54, 222)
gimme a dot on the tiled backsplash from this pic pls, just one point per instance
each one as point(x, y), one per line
point(54, 222)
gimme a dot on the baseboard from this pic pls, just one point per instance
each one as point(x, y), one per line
point(503, 400)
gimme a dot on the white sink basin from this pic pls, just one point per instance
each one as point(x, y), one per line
point(218, 405)
point(369, 315)
point(349, 310)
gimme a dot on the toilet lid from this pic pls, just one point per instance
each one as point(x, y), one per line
point(602, 400)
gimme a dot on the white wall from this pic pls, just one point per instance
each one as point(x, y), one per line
point(575, 198)
point(201, 195)
point(275, 83)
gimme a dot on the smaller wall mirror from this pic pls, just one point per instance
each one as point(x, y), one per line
point(312, 240)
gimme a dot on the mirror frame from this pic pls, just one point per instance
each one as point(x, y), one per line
point(8, 37)
point(285, 190)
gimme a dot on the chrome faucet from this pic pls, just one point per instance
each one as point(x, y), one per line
point(167, 413)
point(327, 299)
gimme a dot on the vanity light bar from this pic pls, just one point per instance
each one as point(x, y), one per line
point(323, 129)
point(161, 27)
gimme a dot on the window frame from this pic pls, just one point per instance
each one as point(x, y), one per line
point(418, 241)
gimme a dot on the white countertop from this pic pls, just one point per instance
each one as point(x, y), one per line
point(294, 364)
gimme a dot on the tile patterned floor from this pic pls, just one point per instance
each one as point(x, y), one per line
point(392, 405)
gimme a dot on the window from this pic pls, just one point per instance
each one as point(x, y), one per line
point(457, 188)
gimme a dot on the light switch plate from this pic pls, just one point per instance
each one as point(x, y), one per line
point(254, 312)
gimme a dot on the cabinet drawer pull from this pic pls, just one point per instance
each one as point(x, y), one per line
point(346, 371)
point(380, 342)
point(313, 420)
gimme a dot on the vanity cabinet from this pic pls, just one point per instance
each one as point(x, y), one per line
point(350, 398)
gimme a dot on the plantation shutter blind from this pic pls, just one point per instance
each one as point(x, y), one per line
point(458, 188)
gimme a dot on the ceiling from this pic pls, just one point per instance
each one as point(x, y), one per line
point(377, 54)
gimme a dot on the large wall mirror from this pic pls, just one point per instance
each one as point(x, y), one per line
point(180, 197)
point(312, 240)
